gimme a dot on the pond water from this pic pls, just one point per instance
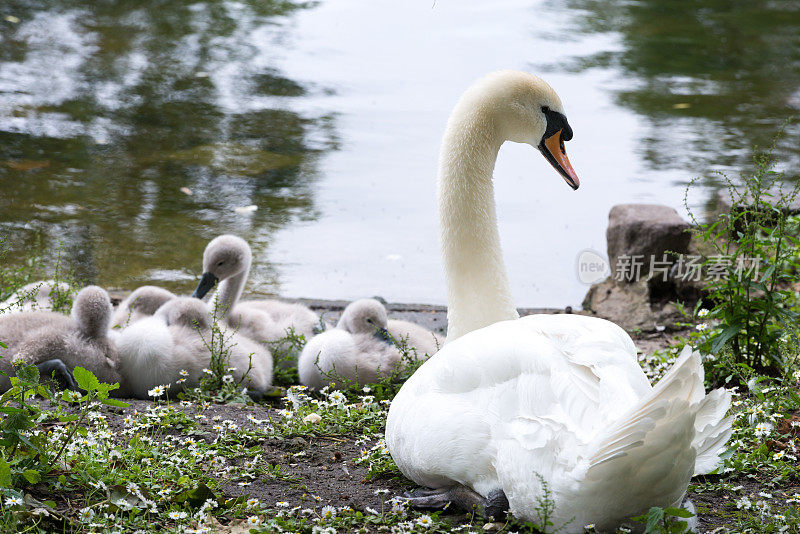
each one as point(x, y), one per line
point(132, 132)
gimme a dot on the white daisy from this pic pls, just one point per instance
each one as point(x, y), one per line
point(14, 501)
point(86, 514)
point(762, 429)
point(337, 397)
point(157, 391)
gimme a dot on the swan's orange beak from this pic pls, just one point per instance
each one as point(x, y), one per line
point(553, 150)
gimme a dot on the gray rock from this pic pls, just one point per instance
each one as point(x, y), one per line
point(643, 231)
point(630, 306)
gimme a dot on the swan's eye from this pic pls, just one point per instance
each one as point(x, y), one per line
point(545, 109)
point(220, 263)
point(369, 321)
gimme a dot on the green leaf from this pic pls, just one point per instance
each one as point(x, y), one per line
point(85, 379)
point(727, 333)
point(17, 421)
point(195, 497)
point(114, 402)
point(5, 474)
point(654, 517)
point(31, 475)
point(793, 396)
point(28, 373)
point(678, 512)
point(3, 345)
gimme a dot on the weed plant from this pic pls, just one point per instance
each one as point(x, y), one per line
point(13, 278)
point(753, 268)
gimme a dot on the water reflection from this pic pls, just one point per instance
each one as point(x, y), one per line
point(131, 130)
point(710, 78)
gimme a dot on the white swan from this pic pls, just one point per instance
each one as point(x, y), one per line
point(502, 410)
point(227, 260)
point(57, 343)
point(154, 351)
point(142, 302)
point(36, 296)
point(358, 350)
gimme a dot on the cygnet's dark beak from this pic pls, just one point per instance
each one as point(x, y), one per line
point(206, 283)
point(384, 335)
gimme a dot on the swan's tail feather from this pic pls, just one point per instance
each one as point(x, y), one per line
point(672, 433)
point(713, 430)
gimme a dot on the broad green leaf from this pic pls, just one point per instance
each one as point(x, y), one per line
point(85, 379)
point(195, 497)
point(28, 373)
point(654, 517)
point(31, 475)
point(678, 512)
point(727, 333)
point(17, 421)
point(5, 474)
point(115, 402)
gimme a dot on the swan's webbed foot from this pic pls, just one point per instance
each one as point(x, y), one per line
point(59, 372)
point(460, 497)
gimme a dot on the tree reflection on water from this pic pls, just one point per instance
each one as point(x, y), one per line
point(131, 130)
point(710, 78)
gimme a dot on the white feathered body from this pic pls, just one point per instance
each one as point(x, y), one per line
point(152, 353)
point(423, 341)
point(336, 353)
point(284, 315)
point(141, 303)
point(559, 399)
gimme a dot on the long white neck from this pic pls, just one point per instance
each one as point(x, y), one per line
point(477, 284)
point(230, 290)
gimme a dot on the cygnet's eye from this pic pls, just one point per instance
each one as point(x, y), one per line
point(220, 263)
point(369, 321)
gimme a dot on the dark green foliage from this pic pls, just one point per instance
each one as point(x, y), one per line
point(756, 253)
